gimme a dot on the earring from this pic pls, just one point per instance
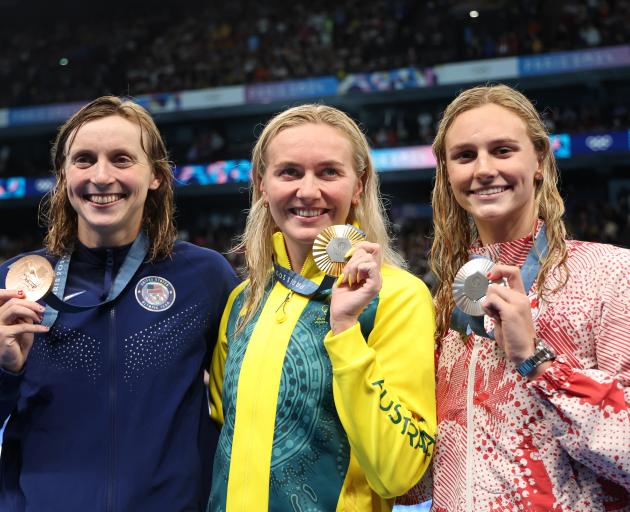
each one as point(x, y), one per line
point(265, 204)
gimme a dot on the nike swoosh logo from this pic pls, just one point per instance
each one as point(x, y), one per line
point(72, 295)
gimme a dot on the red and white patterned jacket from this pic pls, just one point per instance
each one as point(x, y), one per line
point(561, 442)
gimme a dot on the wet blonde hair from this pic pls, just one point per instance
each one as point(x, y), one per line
point(256, 240)
point(454, 229)
point(157, 217)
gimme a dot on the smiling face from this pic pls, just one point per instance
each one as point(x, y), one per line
point(309, 183)
point(492, 169)
point(108, 176)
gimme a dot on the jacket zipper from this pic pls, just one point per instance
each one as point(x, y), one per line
point(470, 424)
point(113, 395)
point(281, 314)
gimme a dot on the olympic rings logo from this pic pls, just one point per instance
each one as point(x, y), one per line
point(599, 142)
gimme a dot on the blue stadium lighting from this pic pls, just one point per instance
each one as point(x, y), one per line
point(411, 158)
point(63, 61)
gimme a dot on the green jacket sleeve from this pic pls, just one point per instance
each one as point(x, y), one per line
point(384, 388)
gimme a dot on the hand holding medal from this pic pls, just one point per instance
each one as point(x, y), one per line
point(507, 305)
point(510, 309)
point(343, 251)
point(29, 279)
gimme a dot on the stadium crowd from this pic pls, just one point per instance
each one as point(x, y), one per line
point(93, 50)
point(404, 126)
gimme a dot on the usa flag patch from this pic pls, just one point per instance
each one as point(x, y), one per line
point(155, 293)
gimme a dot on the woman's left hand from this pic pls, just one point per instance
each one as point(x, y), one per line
point(509, 307)
point(356, 287)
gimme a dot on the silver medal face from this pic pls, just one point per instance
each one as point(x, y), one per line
point(471, 284)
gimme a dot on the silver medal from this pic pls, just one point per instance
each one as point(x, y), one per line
point(471, 284)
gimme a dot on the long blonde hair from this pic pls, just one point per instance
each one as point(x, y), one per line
point(454, 229)
point(256, 240)
point(157, 217)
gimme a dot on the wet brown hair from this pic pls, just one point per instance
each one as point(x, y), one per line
point(454, 230)
point(157, 217)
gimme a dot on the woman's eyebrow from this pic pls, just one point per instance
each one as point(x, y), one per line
point(468, 145)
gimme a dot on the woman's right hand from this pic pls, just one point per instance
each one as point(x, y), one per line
point(359, 283)
point(19, 321)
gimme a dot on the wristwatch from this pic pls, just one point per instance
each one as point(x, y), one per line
point(542, 353)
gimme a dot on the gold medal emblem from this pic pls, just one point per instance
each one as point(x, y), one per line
point(331, 246)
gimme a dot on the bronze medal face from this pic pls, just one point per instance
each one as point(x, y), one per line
point(331, 246)
point(471, 284)
point(33, 274)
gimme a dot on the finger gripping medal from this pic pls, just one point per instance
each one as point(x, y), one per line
point(331, 246)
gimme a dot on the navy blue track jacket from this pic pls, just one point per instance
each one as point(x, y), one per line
point(110, 412)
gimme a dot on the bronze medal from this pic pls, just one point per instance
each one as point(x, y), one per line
point(33, 274)
point(331, 246)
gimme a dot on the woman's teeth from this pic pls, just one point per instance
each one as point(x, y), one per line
point(308, 212)
point(103, 198)
point(489, 191)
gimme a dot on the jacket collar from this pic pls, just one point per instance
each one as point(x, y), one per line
point(98, 256)
point(513, 252)
point(281, 257)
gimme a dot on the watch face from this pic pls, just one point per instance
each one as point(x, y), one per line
point(541, 355)
point(542, 348)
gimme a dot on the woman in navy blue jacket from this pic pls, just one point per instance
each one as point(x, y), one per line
point(107, 405)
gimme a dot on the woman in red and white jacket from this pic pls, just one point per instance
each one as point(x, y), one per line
point(533, 397)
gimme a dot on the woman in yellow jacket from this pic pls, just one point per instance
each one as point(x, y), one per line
point(325, 393)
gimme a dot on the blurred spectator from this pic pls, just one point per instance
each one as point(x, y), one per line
point(206, 147)
point(5, 153)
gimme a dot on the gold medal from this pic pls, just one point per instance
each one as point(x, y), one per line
point(471, 284)
point(33, 274)
point(331, 246)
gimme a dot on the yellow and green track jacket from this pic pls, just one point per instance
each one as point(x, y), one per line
point(313, 421)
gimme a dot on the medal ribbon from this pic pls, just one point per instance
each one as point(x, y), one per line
point(467, 324)
point(299, 284)
point(132, 262)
